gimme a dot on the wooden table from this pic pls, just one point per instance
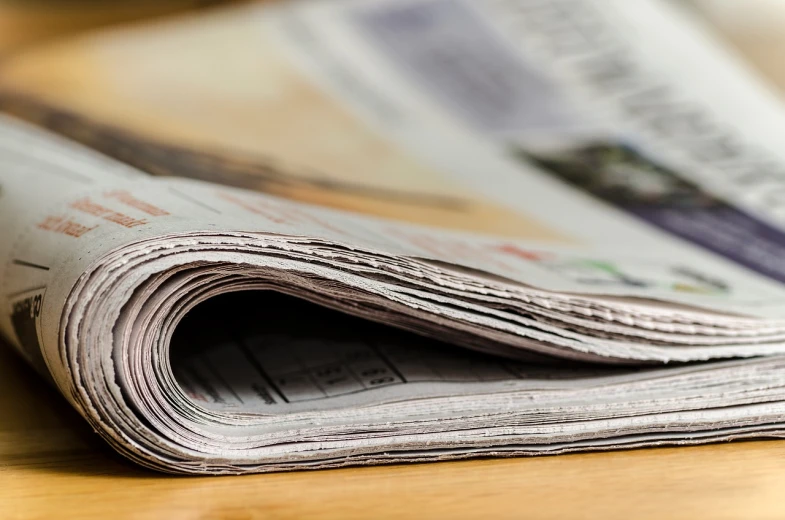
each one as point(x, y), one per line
point(53, 466)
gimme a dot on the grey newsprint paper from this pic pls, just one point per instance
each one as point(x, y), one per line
point(203, 328)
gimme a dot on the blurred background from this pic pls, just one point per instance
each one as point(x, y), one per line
point(195, 88)
point(755, 27)
point(25, 22)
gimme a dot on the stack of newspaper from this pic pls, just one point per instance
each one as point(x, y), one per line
point(556, 231)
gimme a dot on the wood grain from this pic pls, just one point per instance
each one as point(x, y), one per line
point(52, 466)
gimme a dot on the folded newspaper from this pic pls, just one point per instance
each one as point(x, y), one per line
point(563, 229)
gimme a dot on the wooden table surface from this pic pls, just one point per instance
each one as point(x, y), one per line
point(53, 466)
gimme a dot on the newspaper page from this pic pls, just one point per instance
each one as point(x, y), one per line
point(583, 241)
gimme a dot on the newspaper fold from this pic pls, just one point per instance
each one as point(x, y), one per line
point(203, 328)
point(174, 315)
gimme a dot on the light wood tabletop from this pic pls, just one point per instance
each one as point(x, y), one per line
point(53, 466)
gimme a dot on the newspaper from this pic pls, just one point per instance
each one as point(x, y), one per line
point(559, 233)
